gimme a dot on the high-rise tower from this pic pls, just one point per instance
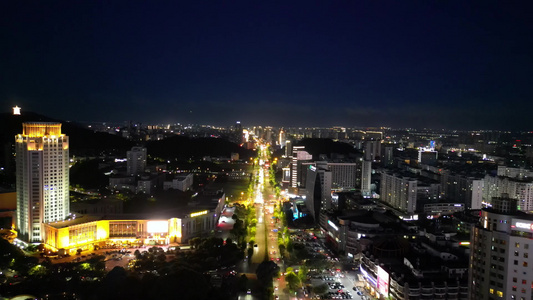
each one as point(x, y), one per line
point(366, 178)
point(42, 178)
point(298, 156)
point(372, 150)
point(500, 255)
point(136, 161)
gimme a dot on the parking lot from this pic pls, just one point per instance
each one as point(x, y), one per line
point(342, 283)
point(113, 257)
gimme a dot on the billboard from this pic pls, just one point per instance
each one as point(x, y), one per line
point(157, 226)
point(522, 225)
point(383, 282)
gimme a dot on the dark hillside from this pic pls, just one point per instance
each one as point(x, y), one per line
point(317, 146)
point(83, 141)
point(185, 148)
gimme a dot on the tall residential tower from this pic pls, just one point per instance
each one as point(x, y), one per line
point(500, 255)
point(136, 161)
point(42, 178)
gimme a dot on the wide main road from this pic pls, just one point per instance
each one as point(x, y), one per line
point(266, 238)
point(260, 251)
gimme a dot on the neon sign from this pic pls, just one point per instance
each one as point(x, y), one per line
point(200, 213)
point(333, 225)
point(528, 226)
point(383, 282)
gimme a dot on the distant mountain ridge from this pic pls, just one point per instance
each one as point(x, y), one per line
point(86, 142)
point(186, 147)
point(318, 146)
point(82, 141)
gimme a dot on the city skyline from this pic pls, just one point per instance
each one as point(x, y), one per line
point(230, 124)
point(444, 65)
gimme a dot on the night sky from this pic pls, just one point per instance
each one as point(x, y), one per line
point(406, 63)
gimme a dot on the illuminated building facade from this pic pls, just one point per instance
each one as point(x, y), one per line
point(88, 232)
point(177, 225)
point(501, 257)
point(42, 159)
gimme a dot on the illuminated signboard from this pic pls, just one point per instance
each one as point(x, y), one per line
point(383, 282)
point(157, 226)
point(524, 225)
point(200, 213)
point(333, 225)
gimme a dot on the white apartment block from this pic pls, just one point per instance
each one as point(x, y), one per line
point(515, 188)
point(399, 192)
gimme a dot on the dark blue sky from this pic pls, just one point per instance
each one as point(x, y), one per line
point(434, 64)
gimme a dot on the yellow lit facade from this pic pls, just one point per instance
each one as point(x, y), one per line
point(42, 159)
point(35, 130)
point(87, 233)
point(174, 231)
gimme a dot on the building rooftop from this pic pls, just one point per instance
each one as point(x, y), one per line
point(79, 219)
point(179, 212)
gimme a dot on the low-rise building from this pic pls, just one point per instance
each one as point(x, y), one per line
point(171, 226)
point(394, 270)
point(183, 182)
point(121, 183)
